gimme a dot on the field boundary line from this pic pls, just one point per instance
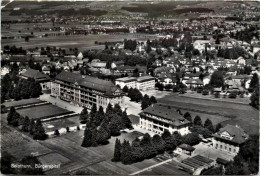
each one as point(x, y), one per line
point(150, 167)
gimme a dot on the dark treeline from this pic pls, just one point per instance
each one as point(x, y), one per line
point(148, 147)
point(107, 56)
point(21, 89)
point(100, 126)
point(27, 125)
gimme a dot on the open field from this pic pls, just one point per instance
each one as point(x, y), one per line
point(18, 144)
point(81, 42)
point(240, 114)
point(42, 111)
point(22, 102)
point(53, 159)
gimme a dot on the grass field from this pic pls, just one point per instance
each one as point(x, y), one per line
point(22, 102)
point(42, 111)
point(231, 113)
point(53, 159)
point(18, 144)
point(81, 42)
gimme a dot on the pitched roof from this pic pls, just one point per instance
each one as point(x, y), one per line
point(166, 112)
point(186, 147)
point(35, 74)
point(104, 86)
point(238, 134)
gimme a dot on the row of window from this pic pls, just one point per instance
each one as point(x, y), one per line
point(225, 147)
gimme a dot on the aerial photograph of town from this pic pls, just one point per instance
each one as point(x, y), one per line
point(130, 87)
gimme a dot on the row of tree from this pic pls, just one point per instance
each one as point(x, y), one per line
point(149, 147)
point(101, 126)
point(26, 125)
point(23, 89)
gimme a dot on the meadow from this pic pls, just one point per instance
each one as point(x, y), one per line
point(232, 113)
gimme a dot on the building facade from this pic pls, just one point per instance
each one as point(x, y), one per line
point(86, 91)
point(141, 83)
point(157, 118)
point(229, 139)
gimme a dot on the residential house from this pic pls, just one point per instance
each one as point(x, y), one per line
point(229, 138)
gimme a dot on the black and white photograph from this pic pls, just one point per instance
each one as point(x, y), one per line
point(130, 87)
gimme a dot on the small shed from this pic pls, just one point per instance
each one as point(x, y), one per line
point(185, 148)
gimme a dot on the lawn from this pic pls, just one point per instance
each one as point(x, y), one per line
point(18, 144)
point(42, 111)
point(53, 159)
point(233, 113)
point(22, 102)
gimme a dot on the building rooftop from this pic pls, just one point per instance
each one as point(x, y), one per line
point(186, 147)
point(35, 74)
point(104, 86)
point(166, 112)
point(236, 133)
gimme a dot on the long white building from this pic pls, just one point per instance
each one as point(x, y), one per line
point(141, 83)
point(86, 91)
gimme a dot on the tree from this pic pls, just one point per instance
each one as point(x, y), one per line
point(191, 139)
point(255, 98)
point(83, 117)
point(145, 102)
point(254, 81)
point(32, 161)
point(109, 109)
point(100, 115)
point(93, 111)
point(166, 134)
point(208, 124)
point(117, 151)
point(20, 121)
point(39, 132)
point(153, 100)
point(217, 79)
point(87, 138)
point(11, 115)
point(26, 124)
point(158, 143)
point(218, 126)
point(32, 126)
point(6, 161)
point(102, 135)
point(37, 90)
point(125, 89)
point(188, 116)
point(126, 121)
point(197, 121)
point(126, 153)
point(115, 125)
